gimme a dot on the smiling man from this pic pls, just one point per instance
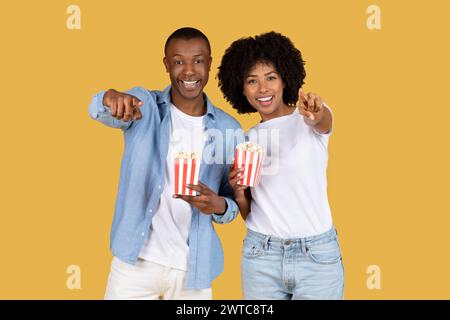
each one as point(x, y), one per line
point(164, 245)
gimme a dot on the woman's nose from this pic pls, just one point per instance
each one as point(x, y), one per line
point(262, 88)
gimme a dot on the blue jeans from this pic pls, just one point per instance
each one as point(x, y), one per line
point(291, 269)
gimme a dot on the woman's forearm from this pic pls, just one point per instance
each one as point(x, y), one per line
point(243, 199)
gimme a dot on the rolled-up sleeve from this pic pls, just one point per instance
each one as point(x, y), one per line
point(229, 215)
point(102, 114)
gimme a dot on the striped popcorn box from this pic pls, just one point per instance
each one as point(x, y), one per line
point(249, 156)
point(187, 169)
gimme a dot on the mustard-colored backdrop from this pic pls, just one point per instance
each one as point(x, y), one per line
point(388, 166)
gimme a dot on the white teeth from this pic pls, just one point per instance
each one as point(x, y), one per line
point(189, 83)
point(264, 99)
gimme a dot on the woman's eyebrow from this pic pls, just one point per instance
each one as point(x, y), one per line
point(266, 74)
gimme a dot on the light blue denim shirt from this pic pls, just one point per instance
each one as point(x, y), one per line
point(142, 180)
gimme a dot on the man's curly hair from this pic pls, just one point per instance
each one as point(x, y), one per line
point(244, 53)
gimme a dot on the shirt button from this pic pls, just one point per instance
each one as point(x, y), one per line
point(143, 234)
point(159, 187)
point(150, 211)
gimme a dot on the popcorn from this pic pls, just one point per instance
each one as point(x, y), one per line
point(249, 156)
point(187, 155)
point(249, 146)
point(187, 169)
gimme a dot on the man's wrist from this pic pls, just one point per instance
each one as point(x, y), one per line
point(224, 205)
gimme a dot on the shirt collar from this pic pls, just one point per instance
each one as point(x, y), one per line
point(210, 109)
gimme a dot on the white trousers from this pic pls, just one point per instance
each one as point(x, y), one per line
point(149, 281)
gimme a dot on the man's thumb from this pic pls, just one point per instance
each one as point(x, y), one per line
point(137, 102)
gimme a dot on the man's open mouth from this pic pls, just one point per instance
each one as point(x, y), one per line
point(192, 84)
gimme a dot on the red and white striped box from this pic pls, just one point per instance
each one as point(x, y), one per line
point(187, 169)
point(249, 156)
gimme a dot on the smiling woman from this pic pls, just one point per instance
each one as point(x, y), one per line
point(263, 88)
point(291, 249)
point(275, 55)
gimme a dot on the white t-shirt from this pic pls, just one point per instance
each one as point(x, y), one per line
point(167, 243)
point(291, 199)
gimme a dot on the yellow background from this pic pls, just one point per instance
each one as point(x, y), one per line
point(388, 168)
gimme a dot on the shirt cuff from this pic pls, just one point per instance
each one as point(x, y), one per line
point(97, 107)
point(229, 215)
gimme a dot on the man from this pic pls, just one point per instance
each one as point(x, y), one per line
point(165, 246)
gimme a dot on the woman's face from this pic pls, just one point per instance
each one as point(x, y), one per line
point(263, 88)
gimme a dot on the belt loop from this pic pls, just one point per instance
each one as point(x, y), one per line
point(266, 242)
point(303, 242)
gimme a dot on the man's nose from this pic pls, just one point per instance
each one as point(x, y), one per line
point(189, 70)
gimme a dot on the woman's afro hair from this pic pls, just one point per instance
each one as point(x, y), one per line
point(271, 48)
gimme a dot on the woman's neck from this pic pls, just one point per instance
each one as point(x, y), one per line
point(281, 111)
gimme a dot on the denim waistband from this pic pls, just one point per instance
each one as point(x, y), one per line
point(275, 241)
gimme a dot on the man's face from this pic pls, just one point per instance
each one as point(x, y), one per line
point(188, 63)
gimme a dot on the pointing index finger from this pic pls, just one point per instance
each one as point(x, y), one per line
point(303, 98)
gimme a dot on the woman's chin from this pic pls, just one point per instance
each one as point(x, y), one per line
point(267, 111)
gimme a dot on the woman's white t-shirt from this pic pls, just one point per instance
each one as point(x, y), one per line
point(291, 199)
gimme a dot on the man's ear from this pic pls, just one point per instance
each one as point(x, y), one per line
point(210, 63)
point(166, 64)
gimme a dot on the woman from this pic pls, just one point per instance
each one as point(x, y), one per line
point(291, 250)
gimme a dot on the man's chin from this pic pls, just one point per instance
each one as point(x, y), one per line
point(190, 94)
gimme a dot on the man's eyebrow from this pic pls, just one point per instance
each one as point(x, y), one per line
point(180, 55)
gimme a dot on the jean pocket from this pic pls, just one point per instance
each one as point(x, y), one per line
point(325, 253)
point(252, 249)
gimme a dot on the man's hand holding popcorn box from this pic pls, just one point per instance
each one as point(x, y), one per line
point(189, 189)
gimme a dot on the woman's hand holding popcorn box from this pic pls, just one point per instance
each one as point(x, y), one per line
point(248, 161)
